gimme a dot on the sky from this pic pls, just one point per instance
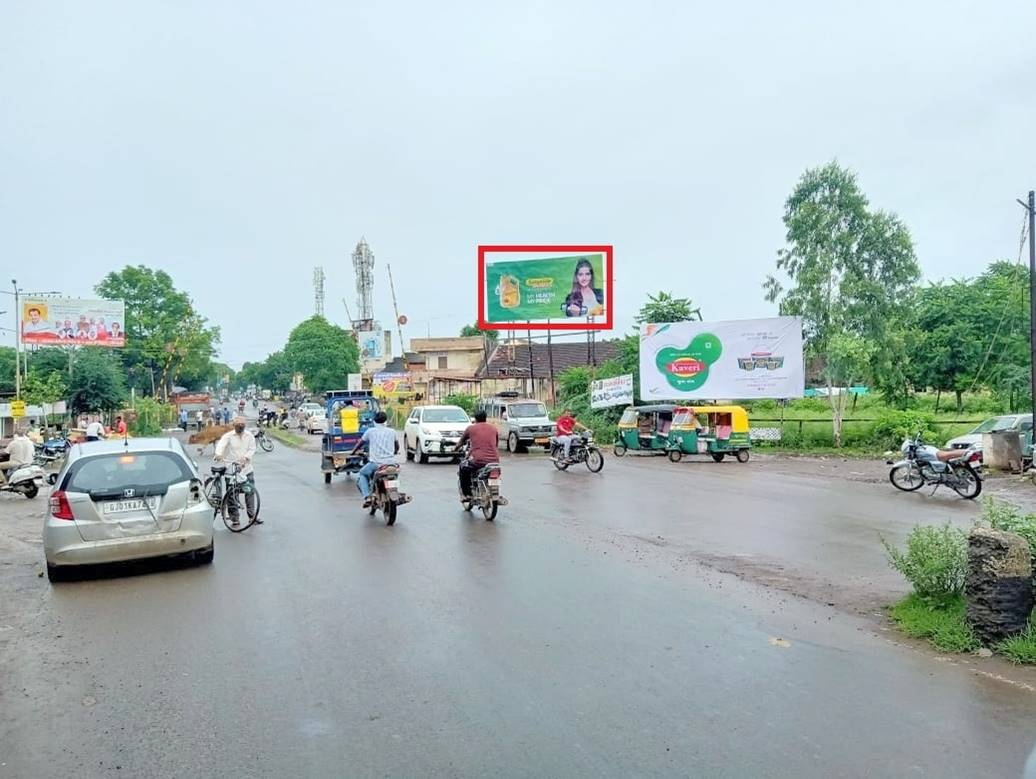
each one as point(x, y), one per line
point(239, 145)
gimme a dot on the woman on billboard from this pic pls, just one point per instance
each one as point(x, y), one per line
point(585, 296)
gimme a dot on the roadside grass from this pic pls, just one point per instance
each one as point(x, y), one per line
point(1020, 648)
point(941, 623)
point(286, 437)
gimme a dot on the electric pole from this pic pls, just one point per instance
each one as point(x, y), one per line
point(1031, 208)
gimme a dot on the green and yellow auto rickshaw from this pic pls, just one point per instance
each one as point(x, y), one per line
point(644, 429)
point(712, 430)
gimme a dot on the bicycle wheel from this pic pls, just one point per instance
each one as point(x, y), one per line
point(266, 444)
point(212, 492)
point(244, 521)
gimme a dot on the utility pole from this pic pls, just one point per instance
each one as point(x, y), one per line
point(17, 343)
point(1031, 208)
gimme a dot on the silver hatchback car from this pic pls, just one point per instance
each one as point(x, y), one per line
point(126, 500)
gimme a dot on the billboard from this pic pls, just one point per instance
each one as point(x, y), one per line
point(73, 322)
point(375, 346)
point(617, 391)
point(539, 288)
point(392, 385)
point(751, 358)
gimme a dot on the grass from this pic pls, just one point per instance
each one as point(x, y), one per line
point(942, 624)
point(1020, 648)
point(286, 437)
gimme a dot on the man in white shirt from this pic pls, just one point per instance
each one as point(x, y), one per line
point(21, 452)
point(238, 446)
point(35, 323)
point(95, 431)
point(383, 446)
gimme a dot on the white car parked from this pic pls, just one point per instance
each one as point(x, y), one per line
point(434, 431)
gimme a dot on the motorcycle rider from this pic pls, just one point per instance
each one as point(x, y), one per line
point(484, 439)
point(238, 446)
point(21, 452)
point(565, 429)
point(383, 446)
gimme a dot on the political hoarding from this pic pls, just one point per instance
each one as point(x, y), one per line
point(751, 358)
point(616, 391)
point(530, 290)
point(73, 322)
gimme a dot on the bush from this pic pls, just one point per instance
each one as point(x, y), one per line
point(945, 625)
point(1010, 519)
point(935, 561)
point(893, 427)
point(466, 402)
point(151, 417)
point(1020, 648)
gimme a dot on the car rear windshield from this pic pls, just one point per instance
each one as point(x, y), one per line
point(148, 473)
point(996, 423)
point(444, 415)
point(527, 410)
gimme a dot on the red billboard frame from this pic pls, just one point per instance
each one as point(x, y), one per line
point(609, 293)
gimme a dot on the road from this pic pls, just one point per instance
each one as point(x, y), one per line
point(579, 635)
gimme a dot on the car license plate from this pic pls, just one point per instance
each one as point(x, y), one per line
point(494, 482)
point(125, 506)
point(542, 440)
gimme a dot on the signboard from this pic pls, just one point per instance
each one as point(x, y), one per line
point(17, 409)
point(752, 358)
point(562, 292)
point(617, 391)
point(374, 346)
point(392, 385)
point(73, 322)
point(355, 382)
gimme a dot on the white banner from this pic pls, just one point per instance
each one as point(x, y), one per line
point(355, 382)
point(73, 322)
point(617, 391)
point(750, 358)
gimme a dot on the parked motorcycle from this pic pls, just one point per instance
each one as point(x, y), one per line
point(386, 496)
point(485, 488)
point(582, 450)
point(23, 480)
point(926, 465)
point(50, 463)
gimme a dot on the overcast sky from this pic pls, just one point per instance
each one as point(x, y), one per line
point(239, 144)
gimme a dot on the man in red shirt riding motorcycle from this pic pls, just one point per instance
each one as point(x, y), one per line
point(565, 429)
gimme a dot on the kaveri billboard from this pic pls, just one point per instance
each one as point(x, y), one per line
point(561, 287)
point(744, 359)
point(73, 322)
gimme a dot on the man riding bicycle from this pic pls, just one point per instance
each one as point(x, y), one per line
point(238, 446)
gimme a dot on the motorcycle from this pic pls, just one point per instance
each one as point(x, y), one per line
point(262, 440)
point(49, 462)
point(582, 450)
point(485, 488)
point(386, 496)
point(926, 465)
point(22, 480)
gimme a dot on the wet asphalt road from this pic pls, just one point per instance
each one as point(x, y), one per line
point(589, 644)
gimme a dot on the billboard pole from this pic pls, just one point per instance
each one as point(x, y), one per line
point(550, 367)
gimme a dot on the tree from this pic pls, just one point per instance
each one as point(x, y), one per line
point(8, 355)
point(97, 382)
point(44, 390)
point(323, 353)
point(164, 334)
point(851, 272)
point(48, 360)
point(663, 307)
point(471, 331)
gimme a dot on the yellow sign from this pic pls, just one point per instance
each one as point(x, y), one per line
point(17, 408)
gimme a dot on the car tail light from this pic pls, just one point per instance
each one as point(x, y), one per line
point(494, 473)
point(59, 507)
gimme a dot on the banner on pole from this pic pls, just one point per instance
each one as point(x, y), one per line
point(617, 391)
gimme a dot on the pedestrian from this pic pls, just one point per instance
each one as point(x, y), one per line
point(120, 426)
point(95, 431)
point(183, 419)
point(238, 446)
point(199, 418)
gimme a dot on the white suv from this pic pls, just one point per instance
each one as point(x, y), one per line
point(434, 431)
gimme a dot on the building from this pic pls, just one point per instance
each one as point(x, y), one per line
point(448, 366)
point(530, 368)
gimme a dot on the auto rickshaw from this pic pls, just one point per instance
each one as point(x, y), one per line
point(644, 429)
point(712, 430)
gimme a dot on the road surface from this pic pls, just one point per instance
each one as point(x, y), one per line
point(578, 635)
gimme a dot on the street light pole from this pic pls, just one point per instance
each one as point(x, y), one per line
point(17, 344)
point(1031, 208)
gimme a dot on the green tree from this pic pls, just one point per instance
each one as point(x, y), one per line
point(471, 331)
point(165, 335)
point(8, 355)
point(850, 272)
point(323, 353)
point(48, 360)
point(44, 390)
point(663, 307)
point(97, 382)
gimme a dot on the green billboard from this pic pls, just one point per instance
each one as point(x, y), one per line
point(556, 288)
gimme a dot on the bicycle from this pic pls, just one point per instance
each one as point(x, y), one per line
point(226, 487)
point(263, 440)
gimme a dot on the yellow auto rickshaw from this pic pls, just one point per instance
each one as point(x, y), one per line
point(644, 429)
point(712, 430)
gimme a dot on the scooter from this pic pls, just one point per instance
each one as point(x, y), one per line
point(22, 480)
